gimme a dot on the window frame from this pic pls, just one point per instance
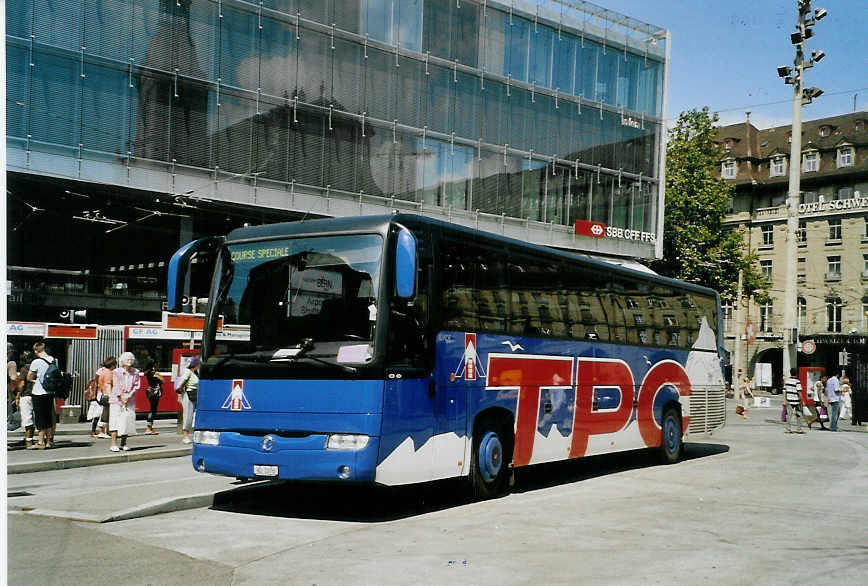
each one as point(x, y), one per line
point(728, 169)
point(845, 152)
point(812, 157)
point(834, 313)
point(835, 229)
point(778, 166)
point(768, 234)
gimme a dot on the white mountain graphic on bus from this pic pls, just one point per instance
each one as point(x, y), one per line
point(237, 400)
point(469, 367)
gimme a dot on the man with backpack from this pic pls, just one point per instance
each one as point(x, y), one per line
point(49, 381)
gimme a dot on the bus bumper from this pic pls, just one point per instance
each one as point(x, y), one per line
point(276, 457)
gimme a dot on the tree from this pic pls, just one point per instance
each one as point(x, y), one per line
point(696, 246)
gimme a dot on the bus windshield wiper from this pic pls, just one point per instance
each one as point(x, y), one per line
point(285, 355)
point(306, 346)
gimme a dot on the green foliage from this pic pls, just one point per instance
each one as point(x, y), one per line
point(696, 245)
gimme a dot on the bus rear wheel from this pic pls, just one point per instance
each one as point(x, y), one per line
point(671, 445)
point(492, 454)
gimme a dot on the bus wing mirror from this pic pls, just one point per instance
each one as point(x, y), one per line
point(179, 266)
point(405, 264)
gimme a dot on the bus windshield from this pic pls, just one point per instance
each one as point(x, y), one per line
point(302, 291)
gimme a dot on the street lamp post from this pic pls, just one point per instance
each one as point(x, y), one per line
point(801, 96)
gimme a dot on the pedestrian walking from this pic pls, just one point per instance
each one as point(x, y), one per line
point(43, 401)
point(846, 398)
point(154, 392)
point(833, 396)
point(188, 388)
point(793, 398)
point(24, 400)
point(815, 393)
point(98, 408)
point(743, 399)
point(122, 401)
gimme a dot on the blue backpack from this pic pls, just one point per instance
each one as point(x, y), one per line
point(55, 381)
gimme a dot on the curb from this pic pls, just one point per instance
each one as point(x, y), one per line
point(45, 465)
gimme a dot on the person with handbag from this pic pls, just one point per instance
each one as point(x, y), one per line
point(98, 408)
point(126, 380)
point(188, 389)
point(155, 392)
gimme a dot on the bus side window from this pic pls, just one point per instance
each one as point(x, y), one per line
point(458, 302)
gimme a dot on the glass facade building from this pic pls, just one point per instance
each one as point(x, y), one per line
point(538, 112)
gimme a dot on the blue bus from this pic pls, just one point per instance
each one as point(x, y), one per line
point(400, 349)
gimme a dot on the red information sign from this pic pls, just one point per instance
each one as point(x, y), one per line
point(72, 331)
point(592, 229)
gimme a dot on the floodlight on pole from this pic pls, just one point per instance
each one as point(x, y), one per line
point(784, 71)
point(820, 13)
point(817, 56)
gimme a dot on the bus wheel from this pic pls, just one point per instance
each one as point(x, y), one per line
point(490, 464)
point(671, 446)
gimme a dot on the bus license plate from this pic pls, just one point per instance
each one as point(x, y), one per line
point(260, 470)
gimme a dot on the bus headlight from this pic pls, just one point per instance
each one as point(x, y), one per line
point(208, 438)
point(346, 441)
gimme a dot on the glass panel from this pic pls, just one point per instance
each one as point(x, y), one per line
point(194, 37)
point(232, 142)
point(621, 200)
point(314, 68)
point(440, 99)
point(517, 51)
point(519, 100)
point(316, 10)
point(437, 32)
point(379, 85)
point(535, 306)
point(468, 103)
point(278, 59)
point(239, 59)
point(533, 189)
point(19, 18)
point(152, 107)
point(408, 16)
point(495, 41)
point(557, 179)
point(601, 197)
point(347, 14)
point(17, 90)
point(58, 23)
point(373, 154)
point(106, 27)
point(271, 140)
point(465, 33)
point(432, 172)
point(495, 113)
point(580, 196)
point(564, 63)
point(544, 125)
point(411, 88)
point(407, 156)
point(152, 34)
point(306, 146)
point(607, 76)
point(459, 177)
point(105, 110)
point(189, 126)
point(340, 153)
point(541, 55)
point(55, 92)
point(586, 69)
point(649, 88)
point(377, 20)
point(347, 77)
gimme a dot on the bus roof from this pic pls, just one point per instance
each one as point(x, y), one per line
point(379, 224)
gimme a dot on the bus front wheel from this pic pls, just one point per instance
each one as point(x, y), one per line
point(671, 446)
point(492, 450)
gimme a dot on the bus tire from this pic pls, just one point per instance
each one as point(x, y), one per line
point(671, 442)
point(490, 462)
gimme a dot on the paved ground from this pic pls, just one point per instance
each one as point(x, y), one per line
point(750, 505)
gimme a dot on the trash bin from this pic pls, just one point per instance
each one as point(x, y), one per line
point(69, 413)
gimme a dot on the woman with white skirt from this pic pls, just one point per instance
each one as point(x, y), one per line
point(126, 380)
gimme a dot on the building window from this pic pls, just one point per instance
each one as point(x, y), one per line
point(766, 269)
point(833, 268)
point(631, 303)
point(845, 193)
point(835, 229)
point(728, 170)
point(865, 266)
point(845, 157)
point(768, 235)
point(802, 305)
point(810, 162)
point(766, 311)
point(833, 314)
point(727, 145)
point(802, 233)
point(809, 197)
point(825, 131)
point(670, 320)
point(860, 125)
point(778, 167)
point(639, 319)
point(864, 316)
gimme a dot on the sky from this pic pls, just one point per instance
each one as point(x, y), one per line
point(725, 55)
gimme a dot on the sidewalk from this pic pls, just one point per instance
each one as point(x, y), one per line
point(74, 448)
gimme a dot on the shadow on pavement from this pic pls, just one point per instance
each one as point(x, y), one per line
point(373, 504)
